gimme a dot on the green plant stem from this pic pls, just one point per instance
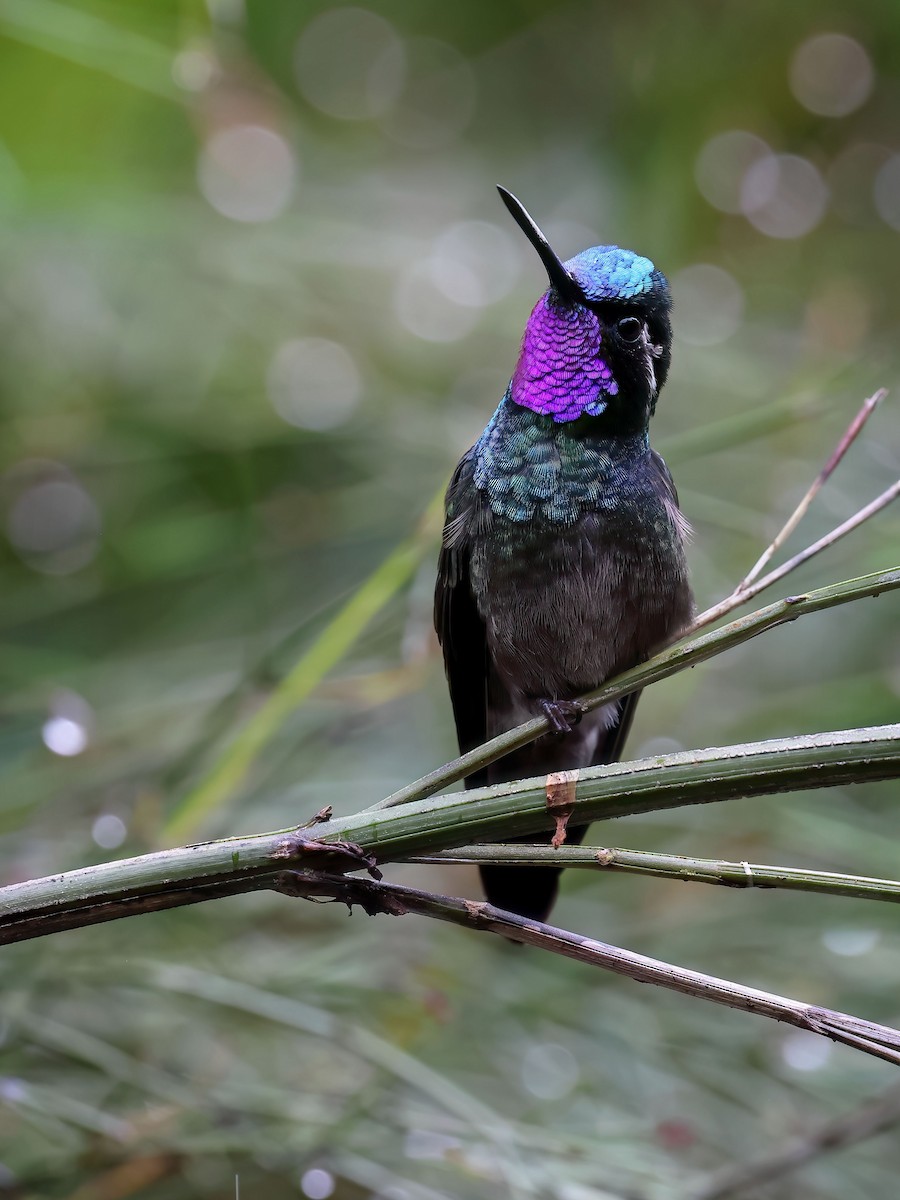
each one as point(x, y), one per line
point(212, 869)
point(674, 866)
point(676, 658)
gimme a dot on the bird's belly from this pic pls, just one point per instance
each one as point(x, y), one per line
point(564, 613)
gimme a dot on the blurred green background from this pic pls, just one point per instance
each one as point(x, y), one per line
point(257, 294)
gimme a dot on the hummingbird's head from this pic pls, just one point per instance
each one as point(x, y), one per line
point(599, 340)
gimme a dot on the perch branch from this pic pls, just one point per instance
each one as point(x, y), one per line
point(687, 653)
point(192, 873)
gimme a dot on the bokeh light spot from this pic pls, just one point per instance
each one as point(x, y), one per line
point(425, 309)
point(317, 1183)
point(247, 172)
point(805, 1051)
point(784, 196)
point(709, 304)
point(13, 1091)
point(549, 1071)
point(109, 831)
point(54, 524)
point(759, 184)
point(474, 263)
point(67, 730)
point(722, 165)
point(850, 943)
point(64, 736)
point(314, 383)
point(831, 74)
point(349, 63)
point(193, 68)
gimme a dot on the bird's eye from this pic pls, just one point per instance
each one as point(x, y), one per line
point(630, 329)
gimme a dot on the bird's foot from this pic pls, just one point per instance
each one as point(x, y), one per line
point(563, 715)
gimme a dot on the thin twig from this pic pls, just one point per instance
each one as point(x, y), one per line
point(881, 1041)
point(736, 599)
point(872, 1118)
point(673, 866)
point(852, 432)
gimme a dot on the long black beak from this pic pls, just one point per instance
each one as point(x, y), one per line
point(559, 276)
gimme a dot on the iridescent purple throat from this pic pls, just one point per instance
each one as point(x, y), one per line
point(560, 372)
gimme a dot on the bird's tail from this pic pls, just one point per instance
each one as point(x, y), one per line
point(528, 891)
point(531, 891)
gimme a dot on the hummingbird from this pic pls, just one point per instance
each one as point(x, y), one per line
point(562, 560)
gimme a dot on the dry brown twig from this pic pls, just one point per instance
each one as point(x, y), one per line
point(854, 429)
point(751, 585)
point(393, 899)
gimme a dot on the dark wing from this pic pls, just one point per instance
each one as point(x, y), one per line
point(459, 626)
point(665, 486)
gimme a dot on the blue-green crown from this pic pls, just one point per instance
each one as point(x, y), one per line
point(611, 273)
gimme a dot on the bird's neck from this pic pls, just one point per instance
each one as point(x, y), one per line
point(529, 466)
point(561, 372)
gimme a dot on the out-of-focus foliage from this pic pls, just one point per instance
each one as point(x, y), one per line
point(256, 296)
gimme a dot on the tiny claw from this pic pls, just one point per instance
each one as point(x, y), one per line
point(563, 715)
